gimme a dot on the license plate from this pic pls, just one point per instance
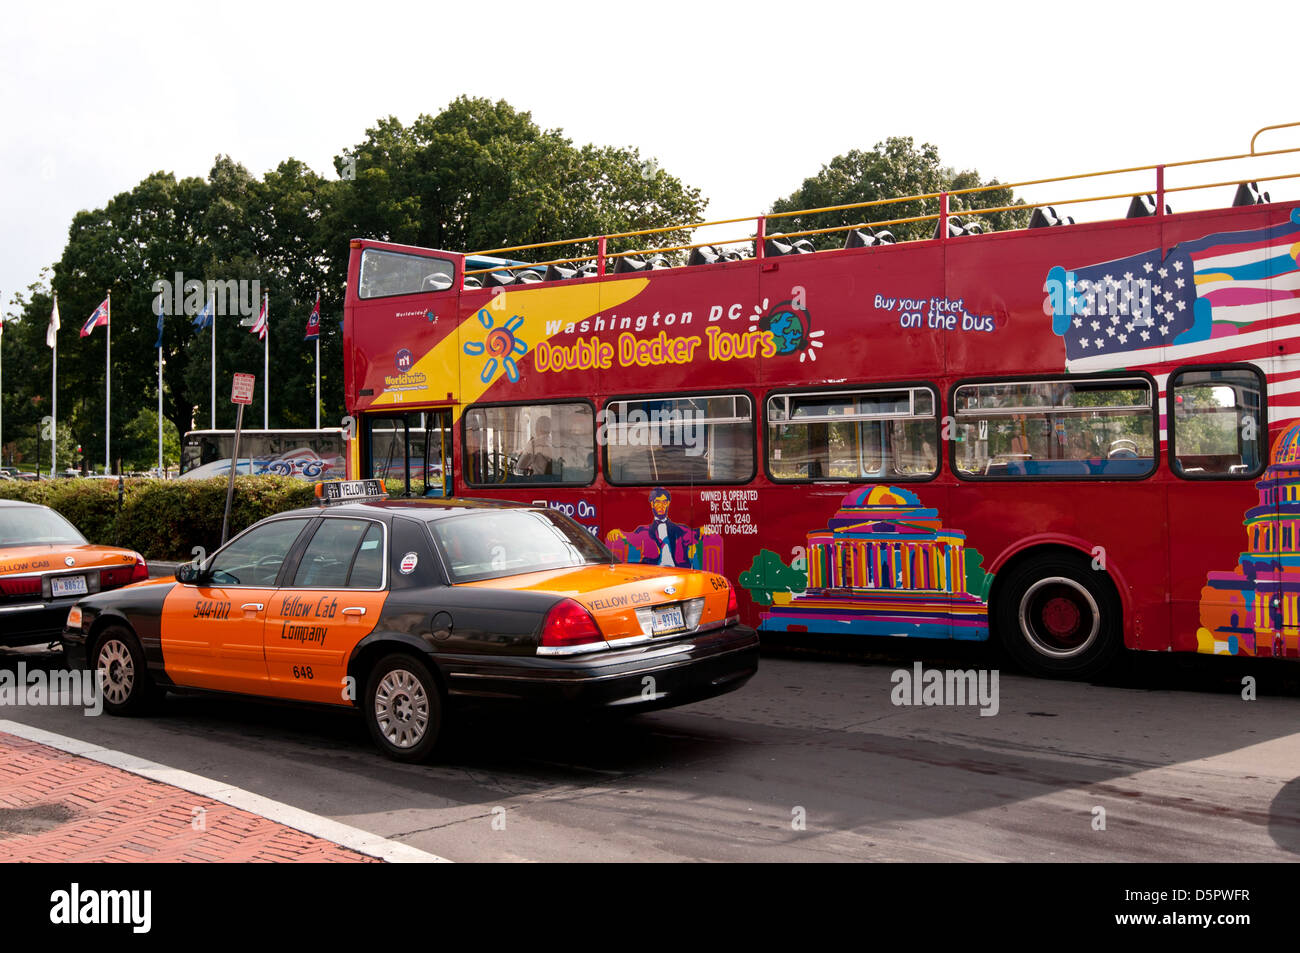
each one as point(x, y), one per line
point(67, 586)
point(668, 619)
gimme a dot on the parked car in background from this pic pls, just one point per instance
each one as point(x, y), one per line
point(46, 565)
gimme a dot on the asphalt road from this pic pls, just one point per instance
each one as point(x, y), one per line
point(1183, 767)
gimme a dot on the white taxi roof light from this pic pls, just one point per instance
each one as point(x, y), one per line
point(350, 491)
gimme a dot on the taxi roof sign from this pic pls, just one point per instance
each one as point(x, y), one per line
point(350, 491)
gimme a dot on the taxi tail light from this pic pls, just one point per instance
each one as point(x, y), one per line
point(121, 575)
point(733, 605)
point(26, 586)
point(570, 627)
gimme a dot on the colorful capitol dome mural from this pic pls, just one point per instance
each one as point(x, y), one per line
point(1253, 610)
point(885, 565)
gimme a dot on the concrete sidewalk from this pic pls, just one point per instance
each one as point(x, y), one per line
point(56, 806)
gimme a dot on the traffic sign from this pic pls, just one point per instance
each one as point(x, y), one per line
point(241, 392)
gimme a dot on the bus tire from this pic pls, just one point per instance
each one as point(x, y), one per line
point(1059, 618)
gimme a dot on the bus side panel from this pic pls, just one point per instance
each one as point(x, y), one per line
point(1117, 528)
point(853, 316)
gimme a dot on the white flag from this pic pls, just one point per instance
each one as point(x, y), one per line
point(53, 329)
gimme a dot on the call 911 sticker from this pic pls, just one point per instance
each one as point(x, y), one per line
point(408, 563)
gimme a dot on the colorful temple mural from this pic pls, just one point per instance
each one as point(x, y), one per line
point(885, 565)
point(1255, 609)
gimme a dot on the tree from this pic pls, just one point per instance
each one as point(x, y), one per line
point(893, 169)
point(138, 442)
point(478, 174)
point(482, 175)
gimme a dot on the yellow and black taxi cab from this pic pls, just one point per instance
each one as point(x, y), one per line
point(46, 565)
point(402, 607)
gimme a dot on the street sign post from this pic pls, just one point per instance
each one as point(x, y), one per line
point(241, 395)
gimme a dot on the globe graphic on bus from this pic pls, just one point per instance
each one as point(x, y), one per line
point(788, 326)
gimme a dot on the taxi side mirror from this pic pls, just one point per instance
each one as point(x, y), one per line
point(189, 574)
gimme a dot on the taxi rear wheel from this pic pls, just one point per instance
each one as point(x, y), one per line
point(125, 683)
point(403, 708)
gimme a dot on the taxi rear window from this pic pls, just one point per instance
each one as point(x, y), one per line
point(486, 545)
point(344, 553)
point(21, 526)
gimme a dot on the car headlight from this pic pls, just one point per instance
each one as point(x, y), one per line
point(74, 617)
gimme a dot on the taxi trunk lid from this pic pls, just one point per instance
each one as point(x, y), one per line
point(630, 601)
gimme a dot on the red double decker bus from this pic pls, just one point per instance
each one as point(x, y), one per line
point(1074, 437)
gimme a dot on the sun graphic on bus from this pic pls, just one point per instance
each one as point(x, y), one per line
point(791, 328)
point(500, 345)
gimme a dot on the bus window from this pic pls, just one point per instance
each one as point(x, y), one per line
point(1216, 423)
point(411, 452)
point(853, 435)
point(1078, 428)
point(385, 273)
point(529, 444)
point(703, 439)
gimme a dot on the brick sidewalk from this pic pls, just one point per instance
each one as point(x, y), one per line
point(56, 806)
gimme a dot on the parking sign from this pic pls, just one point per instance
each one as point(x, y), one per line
point(241, 392)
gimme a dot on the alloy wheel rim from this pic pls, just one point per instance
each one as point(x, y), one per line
point(402, 708)
point(119, 671)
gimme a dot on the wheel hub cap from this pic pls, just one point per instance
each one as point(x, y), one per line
point(1059, 617)
point(402, 708)
point(119, 671)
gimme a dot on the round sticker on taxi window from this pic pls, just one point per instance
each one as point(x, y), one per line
point(408, 563)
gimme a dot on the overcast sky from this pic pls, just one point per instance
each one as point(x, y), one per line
point(743, 101)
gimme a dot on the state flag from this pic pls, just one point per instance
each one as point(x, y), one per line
point(313, 323)
point(97, 320)
point(52, 332)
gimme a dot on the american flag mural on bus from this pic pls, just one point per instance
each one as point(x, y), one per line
point(1226, 297)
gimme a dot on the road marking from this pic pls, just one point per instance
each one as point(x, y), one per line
point(353, 838)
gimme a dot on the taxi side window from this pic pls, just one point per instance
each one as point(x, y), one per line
point(368, 568)
point(254, 559)
point(328, 560)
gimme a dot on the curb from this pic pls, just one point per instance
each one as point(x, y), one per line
point(344, 835)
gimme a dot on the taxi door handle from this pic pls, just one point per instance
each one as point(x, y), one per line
point(255, 606)
point(354, 610)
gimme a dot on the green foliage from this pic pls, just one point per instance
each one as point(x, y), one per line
point(893, 169)
point(481, 175)
point(138, 443)
point(478, 174)
point(162, 519)
point(768, 574)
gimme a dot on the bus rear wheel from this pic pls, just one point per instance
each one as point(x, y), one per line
point(1058, 617)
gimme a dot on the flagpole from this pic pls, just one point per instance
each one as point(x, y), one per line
point(161, 472)
point(54, 399)
point(266, 362)
point(213, 318)
point(108, 376)
point(318, 361)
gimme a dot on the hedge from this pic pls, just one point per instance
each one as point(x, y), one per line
point(162, 519)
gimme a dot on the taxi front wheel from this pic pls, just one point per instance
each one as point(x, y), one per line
point(125, 682)
point(403, 708)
